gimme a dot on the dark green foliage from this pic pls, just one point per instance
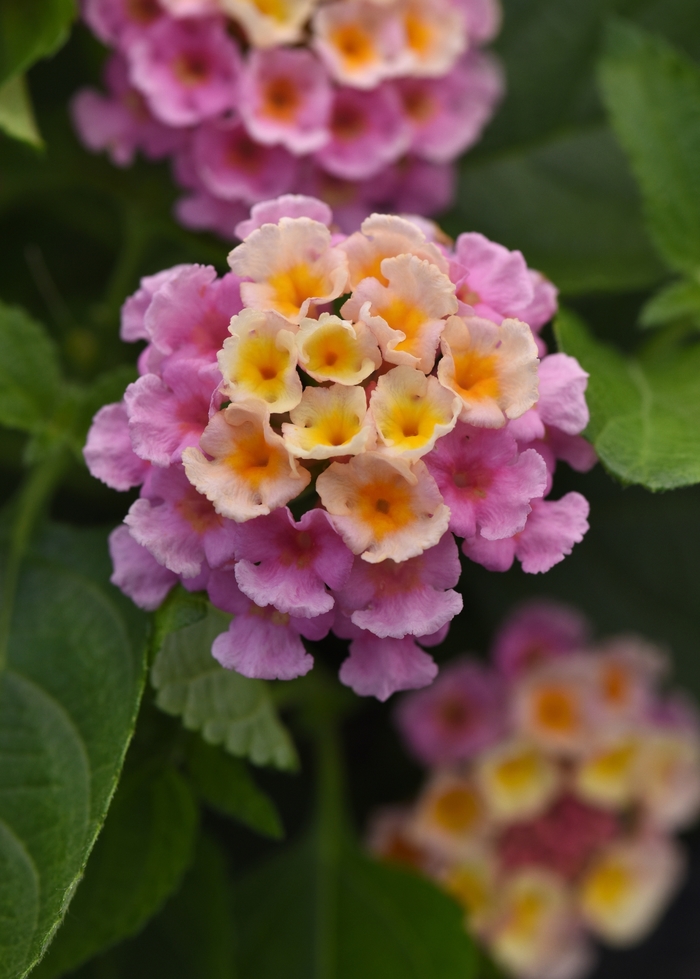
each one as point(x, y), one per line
point(68, 702)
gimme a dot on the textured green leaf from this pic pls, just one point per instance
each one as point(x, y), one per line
point(225, 784)
point(374, 922)
point(30, 375)
point(16, 113)
point(31, 29)
point(180, 608)
point(569, 205)
point(138, 861)
point(674, 302)
point(645, 410)
point(68, 702)
point(225, 707)
point(191, 938)
point(653, 95)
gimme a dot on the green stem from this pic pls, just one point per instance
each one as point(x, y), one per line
point(331, 830)
point(33, 496)
point(135, 236)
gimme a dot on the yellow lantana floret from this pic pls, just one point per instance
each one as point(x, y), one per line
point(450, 816)
point(492, 369)
point(625, 890)
point(331, 349)
point(472, 882)
point(383, 507)
point(270, 22)
point(411, 411)
point(407, 315)
point(259, 360)
point(534, 932)
point(330, 422)
point(386, 236)
point(517, 780)
point(670, 777)
point(250, 471)
point(609, 777)
point(292, 264)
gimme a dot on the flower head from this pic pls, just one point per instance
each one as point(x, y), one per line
point(329, 422)
point(259, 360)
point(411, 412)
point(331, 349)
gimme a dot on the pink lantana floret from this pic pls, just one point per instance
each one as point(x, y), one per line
point(136, 572)
point(460, 714)
point(186, 69)
point(485, 482)
point(414, 597)
point(109, 452)
point(292, 564)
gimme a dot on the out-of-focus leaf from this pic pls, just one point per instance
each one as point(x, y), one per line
point(569, 205)
point(225, 784)
point(645, 410)
point(16, 112)
point(224, 706)
point(30, 375)
point(68, 703)
point(307, 913)
point(674, 302)
point(653, 95)
point(138, 861)
point(191, 938)
point(31, 29)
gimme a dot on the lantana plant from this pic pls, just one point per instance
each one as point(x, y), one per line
point(314, 431)
point(558, 775)
point(363, 103)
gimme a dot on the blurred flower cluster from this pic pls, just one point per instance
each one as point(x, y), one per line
point(558, 776)
point(418, 412)
point(364, 103)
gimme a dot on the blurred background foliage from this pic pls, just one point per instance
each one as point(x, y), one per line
point(570, 172)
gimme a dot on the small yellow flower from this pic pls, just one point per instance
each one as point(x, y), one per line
point(411, 411)
point(331, 349)
point(329, 422)
point(259, 360)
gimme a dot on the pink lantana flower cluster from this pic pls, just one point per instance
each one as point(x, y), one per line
point(364, 103)
point(311, 468)
point(558, 776)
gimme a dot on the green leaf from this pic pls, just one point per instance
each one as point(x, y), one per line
point(224, 706)
point(569, 205)
point(191, 938)
point(653, 95)
point(31, 29)
point(16, 113)
point(675, 302)
point(225, 784)
point(370, 922)
point(645, 410)
point(68, 704)
point(30, 374)
point(138, 861)
point(179, 609)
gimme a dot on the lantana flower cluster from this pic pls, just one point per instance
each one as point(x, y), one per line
point(364, 103)
point(311, 468)
point(558, 776)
